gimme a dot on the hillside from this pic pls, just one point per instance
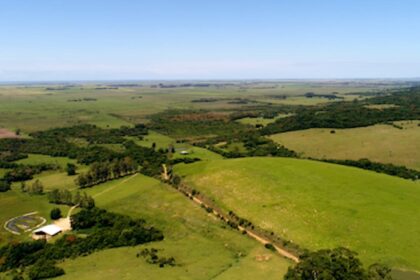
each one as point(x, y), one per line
point(203, 247)
point(318, 205)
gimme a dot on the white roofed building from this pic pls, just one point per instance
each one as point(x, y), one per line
point(46, 232)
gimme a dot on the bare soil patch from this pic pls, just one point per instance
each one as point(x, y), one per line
point(5, 133)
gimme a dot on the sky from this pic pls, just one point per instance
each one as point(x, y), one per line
point(48, 40)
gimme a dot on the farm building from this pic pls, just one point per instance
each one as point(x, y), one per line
point(184, 152)
point(46, 232)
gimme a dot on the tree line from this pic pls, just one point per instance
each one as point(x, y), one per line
point(387, 168)
point(351, 114)
point(101, 172)
point(65, 197)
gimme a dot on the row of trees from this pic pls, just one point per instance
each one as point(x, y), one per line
point(102, 172)
point(387, 168)
point(65, 197)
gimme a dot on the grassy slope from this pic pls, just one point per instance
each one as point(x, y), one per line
point(382, 143)
point(201, 245)
point(319, 205)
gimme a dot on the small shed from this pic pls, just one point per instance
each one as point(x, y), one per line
point(46, 232)
point(184, 152)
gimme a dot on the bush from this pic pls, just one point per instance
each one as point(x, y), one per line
point(339, 263)
point(71, 169)
point(55, 214)
point(44, 269)
point(4, 186)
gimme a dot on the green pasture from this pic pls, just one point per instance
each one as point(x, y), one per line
point(381, 143)
point(202, 245)
point(319, 205)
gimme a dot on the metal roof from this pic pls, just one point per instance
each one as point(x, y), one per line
point(50, 230)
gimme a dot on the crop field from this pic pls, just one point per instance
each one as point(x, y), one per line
point(381, 143)
point(318, 205)
point(202, 246)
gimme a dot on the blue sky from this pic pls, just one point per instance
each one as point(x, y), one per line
point(215, 39)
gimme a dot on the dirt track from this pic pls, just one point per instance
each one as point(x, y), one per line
point(250, 233)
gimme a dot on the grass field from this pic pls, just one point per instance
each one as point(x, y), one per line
point(54, 179)
point(382, 143)
point(260, 120)
point(201, 245)
point(319, 205)
point(163, 141)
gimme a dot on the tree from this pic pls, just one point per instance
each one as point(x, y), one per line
point(54, 196)
point(71, 169)
point(55, 214)
point(77, 198)
point(4, 186)
point(36, 188)
point(339, 263)
point(22, 187)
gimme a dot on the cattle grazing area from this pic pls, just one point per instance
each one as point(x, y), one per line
point(210, 180)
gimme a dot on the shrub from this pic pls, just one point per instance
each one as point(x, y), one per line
point(44, 269)
point(4, 186)
point(339, 263)
point(55, 214)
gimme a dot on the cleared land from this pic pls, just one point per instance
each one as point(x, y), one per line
point(202, 245)
point(381, 143)
point(261, 121)
point(318, 205)
point(5, 133)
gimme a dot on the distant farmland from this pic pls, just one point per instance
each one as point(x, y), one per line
point(399, 144)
